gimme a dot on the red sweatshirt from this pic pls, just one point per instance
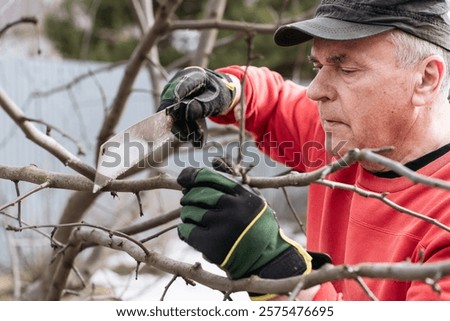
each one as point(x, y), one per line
point(349, 227)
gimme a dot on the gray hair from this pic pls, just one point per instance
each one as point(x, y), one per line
point(412, 50)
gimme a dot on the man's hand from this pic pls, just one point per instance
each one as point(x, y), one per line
point(194, 93)
point(235, 228)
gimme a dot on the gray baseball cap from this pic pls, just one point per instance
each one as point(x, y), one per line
point(355, 19)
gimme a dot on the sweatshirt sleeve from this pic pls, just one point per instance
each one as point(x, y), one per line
point(284, 122)
point(434, 248)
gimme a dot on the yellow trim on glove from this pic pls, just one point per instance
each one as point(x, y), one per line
point(263, 297)
point(233, 248)
point(301, 250)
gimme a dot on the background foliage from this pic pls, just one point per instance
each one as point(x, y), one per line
point(114, 34)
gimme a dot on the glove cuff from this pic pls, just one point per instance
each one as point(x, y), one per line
point(228, 82)
point(234, 85)
point(287, 264)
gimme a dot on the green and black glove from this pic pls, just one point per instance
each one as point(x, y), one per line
point(235, 229)
point(195, 93)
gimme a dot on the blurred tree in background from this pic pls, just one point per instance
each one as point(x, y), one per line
point(114, 33)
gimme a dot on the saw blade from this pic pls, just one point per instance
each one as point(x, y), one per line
point(127, 148)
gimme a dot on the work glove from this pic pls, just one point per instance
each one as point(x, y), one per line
point(192, 94)
point(235, 229)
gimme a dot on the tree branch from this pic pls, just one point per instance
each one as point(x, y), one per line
point(46, 142)
point(32, 174)
point(264, 28)
point(384, 199)
point(160, 27)
point(21, 197)
point(50, 127)
point(402, 170)
point(404, 271)
point(31, 20)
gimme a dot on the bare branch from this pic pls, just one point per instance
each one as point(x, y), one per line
point(54, 243)
point(263, 28)
point(384, 199)
point(214, 9)
point(402, 170)
point(293, 211)
point(78, 79)
point(302, 179)
point(46, 142)
point(143, 10)
point(365, 288)
point(81, 232)
point(152, 223)
point(32, 174)
point(19, 205)
point(50, 127)
point(31, 20)
point(159, 28)
point(400, 271)
point(138, 198)
point(158, 234)
point(405, 271)
point(166, 288)
point(20, 198)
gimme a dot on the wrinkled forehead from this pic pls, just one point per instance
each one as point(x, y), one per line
point(340, 50)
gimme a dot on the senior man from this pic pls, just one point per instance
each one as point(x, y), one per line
point(381, 80)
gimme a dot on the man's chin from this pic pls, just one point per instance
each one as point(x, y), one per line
point(335, 146)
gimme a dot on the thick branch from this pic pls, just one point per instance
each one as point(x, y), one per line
point(399, 271)
point(32, 174)
point(405, 271)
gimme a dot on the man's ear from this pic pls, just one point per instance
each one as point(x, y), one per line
point(430, 74)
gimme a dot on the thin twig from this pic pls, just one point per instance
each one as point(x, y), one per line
point(18, 199)
point(365, 288)
point(384, 199)
point(55, 243)
point(19, 204)
point(166, 288)
point(46, 142)
point(402, 170)
point(81, 150)
point(138, 198)
point(78, 79)
point(80, 277)
point(158, 234)
point(31, 20)
point(293, 211)
point(82, 224)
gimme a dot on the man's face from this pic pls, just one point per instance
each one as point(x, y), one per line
point(363, 95)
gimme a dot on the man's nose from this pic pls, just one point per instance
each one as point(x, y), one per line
point(321, 89)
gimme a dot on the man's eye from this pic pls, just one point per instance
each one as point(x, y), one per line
point(347, 71)
point(316, 68)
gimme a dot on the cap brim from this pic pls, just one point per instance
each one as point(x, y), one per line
point(326, 28)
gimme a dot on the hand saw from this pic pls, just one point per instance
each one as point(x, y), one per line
point(135, 144)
